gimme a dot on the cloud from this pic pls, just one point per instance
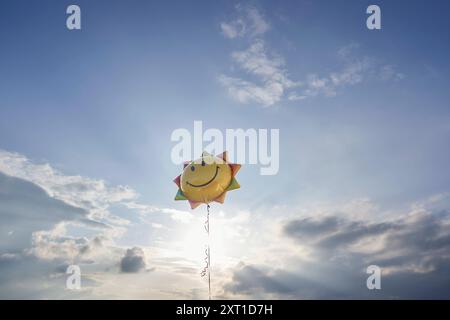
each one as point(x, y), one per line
point(388, 72)
point(354, 72)
point(266, 80)
point(416, 242)
point(144, 209)
point(264, 282)
point(296, 97)
point(355, 69)
point(28, 277)
point(25, 208)
point(39, 204)
point(249, 22)
point(248, 279)
point(56, 245)
point(273, 79)
point(133, 261)
point(48, 219)
point(314, 254)
point(346, 52)
point(246, 92)
point(256, 61)
point(413, 252)
point(274, 83)
point(233, 29)
point(334, 280)
point(92, 195)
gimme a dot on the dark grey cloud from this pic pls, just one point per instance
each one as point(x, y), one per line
point(258, 281)
point(25, 208)
point(28, 277)
point(342, 279)
point(413, 253)
point(249, 278)
point(33, 260)
point(133, 261)
point(311, 282)
point(308, 227)
point(415, 241)
point(331, 231)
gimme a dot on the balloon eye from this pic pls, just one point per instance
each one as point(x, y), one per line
point(203, 163)
point(192, 168)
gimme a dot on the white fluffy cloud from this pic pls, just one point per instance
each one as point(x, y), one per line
point(273, 79)
point(246, 92)
point(266, 67)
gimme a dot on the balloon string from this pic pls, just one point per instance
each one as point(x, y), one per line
point(207, 269)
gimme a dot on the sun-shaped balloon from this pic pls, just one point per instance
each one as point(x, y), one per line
point(207, 179)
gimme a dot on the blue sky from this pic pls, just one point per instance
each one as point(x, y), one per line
point(363, 118)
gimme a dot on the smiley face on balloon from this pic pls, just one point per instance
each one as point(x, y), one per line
point(207, 179)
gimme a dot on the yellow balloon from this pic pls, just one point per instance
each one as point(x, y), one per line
point(207, 179)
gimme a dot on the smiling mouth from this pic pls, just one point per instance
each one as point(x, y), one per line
point(204, 184)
